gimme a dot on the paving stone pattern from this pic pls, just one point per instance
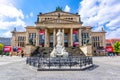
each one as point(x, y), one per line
point(106, 68)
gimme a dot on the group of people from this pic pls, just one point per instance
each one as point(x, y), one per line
point(22, 54)
point(112, 54)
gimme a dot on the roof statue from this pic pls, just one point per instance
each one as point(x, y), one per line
point(58, 8)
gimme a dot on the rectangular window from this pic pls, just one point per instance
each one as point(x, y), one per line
point(32, 38)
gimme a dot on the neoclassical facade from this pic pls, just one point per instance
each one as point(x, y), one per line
point(43, 34)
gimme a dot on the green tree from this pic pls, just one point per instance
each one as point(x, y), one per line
point(116, 47)
point(1, 48)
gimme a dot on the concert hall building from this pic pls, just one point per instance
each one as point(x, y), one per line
point(43, 33)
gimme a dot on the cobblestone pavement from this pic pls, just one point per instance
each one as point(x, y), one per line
point(10, 59)
point(106, 68)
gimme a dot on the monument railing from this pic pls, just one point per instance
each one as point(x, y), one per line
point(60, 63)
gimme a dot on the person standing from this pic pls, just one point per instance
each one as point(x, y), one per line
point(22, 53)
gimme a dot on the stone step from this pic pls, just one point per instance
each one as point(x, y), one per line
point(45, 51)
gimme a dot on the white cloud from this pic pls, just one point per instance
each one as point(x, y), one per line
point(10, 11)
point(6, 34)
point(10, 17)
point(31, 14)
point(99, 13)
point(27, 16)
point(114, 33)
point(10, 24)
point(67, 8)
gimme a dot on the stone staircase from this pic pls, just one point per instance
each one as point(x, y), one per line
point(41, 52)
point(45, 51)
point(74, 51)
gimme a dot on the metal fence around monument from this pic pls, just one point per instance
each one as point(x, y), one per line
point(60, 63)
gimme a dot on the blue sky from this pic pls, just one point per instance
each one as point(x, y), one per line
point(35, 7)
point(95, 13)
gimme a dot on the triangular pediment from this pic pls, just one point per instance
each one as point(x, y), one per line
point(59, 12)
point(59, 21)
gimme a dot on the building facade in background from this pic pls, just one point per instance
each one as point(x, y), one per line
point(43, 34)
point(5, 41)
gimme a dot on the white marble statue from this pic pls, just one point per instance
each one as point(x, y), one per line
point(59, 37)
point(59, 49)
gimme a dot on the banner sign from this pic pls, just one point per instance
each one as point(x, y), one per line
point(7, 48)
point(42, 37)
point(109, 49)
point(75, 31)
point(42, 32)
point(75, 38)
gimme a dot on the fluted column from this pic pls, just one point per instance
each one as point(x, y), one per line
point(54, 37)
point(71, 37)
point(46, 40)
point(37, 37)
point(80, 37)
point(63, 37)
point(69, 41)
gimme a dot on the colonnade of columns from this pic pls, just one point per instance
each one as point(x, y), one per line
point(70, 37)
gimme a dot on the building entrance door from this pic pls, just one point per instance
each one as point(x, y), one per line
point(51, 39)
point(66, 39)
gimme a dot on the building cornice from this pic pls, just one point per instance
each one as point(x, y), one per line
point(58, 12)
point(30, 27)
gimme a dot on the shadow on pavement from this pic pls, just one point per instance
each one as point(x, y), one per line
point(92, 68)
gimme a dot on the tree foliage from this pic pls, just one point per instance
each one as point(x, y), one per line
point(1, 46)
point(117, 47)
